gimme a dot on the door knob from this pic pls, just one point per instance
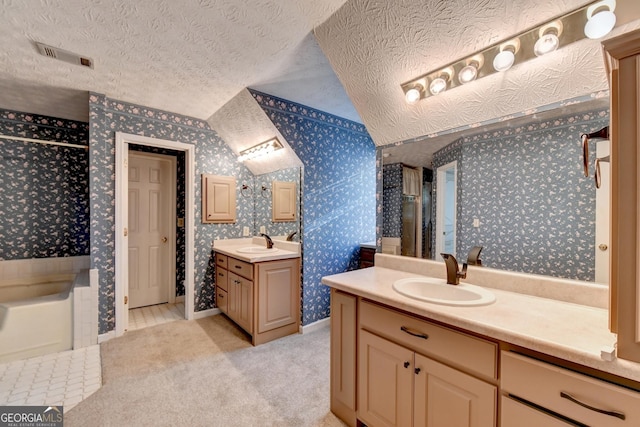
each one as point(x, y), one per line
point(603, 247)
point(164, 240)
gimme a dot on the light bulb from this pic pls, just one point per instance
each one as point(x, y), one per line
point(437, 86)
point(468, 74)
point(504, 60)
point(545, 44)
point(600, 24)
point(413, 95)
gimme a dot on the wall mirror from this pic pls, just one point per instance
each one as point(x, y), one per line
point(519, 191)
point(283, 185)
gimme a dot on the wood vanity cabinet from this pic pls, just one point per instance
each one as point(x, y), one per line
point(409, 371)
point(623, 63)
point(262, 298)
point(537, 393)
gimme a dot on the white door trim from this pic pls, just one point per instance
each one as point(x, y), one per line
point(171, 297)
point(121, 206)
point(440, 204)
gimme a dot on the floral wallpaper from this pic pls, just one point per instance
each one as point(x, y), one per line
point(106, 116)
point(525, 185)
point(392, 200)
point(263, 203)
point(44, 200)
point(338, 193)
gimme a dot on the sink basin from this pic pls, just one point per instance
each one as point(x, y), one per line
point(437, 291)
point(256, 250)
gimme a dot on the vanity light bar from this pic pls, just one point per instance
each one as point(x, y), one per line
point(261, 149)
point(594, 20)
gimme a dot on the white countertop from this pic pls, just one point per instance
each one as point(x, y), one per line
point(281, 249)
point(566, 330)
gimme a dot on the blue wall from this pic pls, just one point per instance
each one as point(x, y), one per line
point(339, 186)
point(44, 201)
point(525, 185)
point(212, 155)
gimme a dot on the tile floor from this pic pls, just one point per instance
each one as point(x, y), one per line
point(152, 315)
point(64, 378)
point(68, 377)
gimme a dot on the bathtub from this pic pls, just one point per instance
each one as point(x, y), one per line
point(36, 318)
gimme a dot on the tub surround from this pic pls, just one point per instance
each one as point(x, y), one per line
point(575, 331)
point(282, 249)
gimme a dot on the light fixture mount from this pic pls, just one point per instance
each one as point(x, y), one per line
point(261, 149)
point(593, 20)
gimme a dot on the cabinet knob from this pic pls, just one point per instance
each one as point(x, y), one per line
point(406, 364)
point(417, 371)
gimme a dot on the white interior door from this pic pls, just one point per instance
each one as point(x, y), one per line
point(446, 209)
point(151, 239)
point(602, 216)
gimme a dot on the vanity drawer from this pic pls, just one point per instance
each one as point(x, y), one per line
point(222, 278)
point(454, 348)
point(241, 268)
point(553, 387)
point(221, 299)
point(221, 260)
point(517, 414)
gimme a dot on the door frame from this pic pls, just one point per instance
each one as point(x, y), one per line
point(122, 212)
point(440, 180)
point(172, 196)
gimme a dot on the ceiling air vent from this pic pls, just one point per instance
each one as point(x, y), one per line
point(64, 55)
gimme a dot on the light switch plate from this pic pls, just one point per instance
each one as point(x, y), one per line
point(263, 229)
point(245, 231)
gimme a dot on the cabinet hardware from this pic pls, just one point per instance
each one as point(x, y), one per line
point(417, 371)
point(406, 364)
point(567, 396)
point(221, 274)
point(239, 267)
point(221, 296)
point(414, 333)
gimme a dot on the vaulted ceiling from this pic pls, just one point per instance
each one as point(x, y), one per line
point(346, 58)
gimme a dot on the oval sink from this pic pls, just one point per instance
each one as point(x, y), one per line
point(437, 291)
point(256, 250)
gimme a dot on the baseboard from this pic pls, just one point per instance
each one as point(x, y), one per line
point(180, 298)
point(106, 337)
point(206, 313)
point(319, 324)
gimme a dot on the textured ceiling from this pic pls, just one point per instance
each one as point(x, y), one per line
point(188, 57)
point(242, 124)
point(375, 45)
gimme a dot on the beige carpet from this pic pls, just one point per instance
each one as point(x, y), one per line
point(206, 373)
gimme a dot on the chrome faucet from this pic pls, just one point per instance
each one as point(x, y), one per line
point(453, 275)
point(290, 236)
point(268, 239)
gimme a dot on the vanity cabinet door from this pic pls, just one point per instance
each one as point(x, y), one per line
point(385, 382)
point(278, 294)
point(240, 301)
point(221, 299)
point(447, 397)
point(344, 328)
point(218, 199)
point(284, 201)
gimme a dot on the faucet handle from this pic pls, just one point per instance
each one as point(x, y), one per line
point(474, 256)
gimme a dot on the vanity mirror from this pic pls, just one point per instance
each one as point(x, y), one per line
point(278, 193)
point(515, 187)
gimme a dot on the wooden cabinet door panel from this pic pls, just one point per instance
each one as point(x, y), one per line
point(278, 294)
point(385, 382)
point(446, 397)
point(343, 355)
